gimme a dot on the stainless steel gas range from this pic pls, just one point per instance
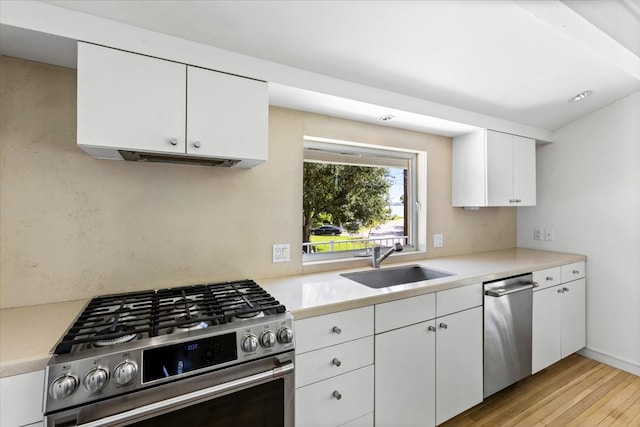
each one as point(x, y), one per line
point(214, 354)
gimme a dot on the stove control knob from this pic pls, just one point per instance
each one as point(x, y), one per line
point(249, 343)
point(63, 386)
point(267, 339)
point(125, 372)
point(95, 379)
point(285, 335)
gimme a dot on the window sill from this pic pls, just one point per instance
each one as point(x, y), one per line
point(357, 262)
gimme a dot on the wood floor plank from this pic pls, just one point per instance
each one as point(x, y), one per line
point(627, 397)
point(534, 388)
point(599, 410)
point(573, 392)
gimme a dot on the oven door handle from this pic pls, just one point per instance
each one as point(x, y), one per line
point(191, 398)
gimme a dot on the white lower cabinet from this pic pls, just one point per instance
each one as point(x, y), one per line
point(559, 319)
point(334, 369)
point(406, 376)
point(337, 400)
point(458, 363)
point(21, 399)
point(429, 371)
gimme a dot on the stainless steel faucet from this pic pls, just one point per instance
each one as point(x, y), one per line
point(376, 258)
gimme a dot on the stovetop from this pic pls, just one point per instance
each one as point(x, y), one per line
point(114, 319)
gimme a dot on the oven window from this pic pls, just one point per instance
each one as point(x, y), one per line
point(261, 405)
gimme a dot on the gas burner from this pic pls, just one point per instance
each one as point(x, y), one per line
point(186, 327)
point(117, 335)
point(238, 317)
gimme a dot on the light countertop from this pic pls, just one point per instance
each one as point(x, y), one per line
point(24, 348)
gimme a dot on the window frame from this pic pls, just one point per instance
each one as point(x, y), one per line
point(325, 150)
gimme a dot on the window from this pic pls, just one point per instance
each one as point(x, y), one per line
point(356, 196)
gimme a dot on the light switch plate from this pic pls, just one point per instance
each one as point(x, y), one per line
point(281, 252)
point(538, 233)
point(438, 240)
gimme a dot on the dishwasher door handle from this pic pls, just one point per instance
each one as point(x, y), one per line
point(523, 286)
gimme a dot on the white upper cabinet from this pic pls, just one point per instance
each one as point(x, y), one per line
point(130, 101)
point(153, 106)
point(493, 169)
point(227, 116)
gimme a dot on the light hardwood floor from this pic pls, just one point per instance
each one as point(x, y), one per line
point(573, 392)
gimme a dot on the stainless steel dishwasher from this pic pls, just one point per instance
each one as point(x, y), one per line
point(507, 331)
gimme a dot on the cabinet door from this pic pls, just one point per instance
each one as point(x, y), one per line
point(499, 154)
point(573, 317)
point(524, 171)
point(405, 376)
point(130, 101)
point(458, 363)
point(21, 399)
point(546, 329)
point(337, 400)
point(227, 116)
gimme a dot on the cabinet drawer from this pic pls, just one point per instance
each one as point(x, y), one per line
point(365, 421)
point(328, 362)
point(317, 405)
point(573, 271)
point(547, 278)
point(403, 312)
point(331, 329)
point(458, 299)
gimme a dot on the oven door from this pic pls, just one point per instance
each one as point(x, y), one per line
point(256, 393)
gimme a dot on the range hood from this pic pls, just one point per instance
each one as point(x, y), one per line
point(174, 158)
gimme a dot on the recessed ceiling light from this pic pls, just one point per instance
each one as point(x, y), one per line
point(386, 117)
point(581, 96)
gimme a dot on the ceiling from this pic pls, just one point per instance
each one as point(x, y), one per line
point(516, 60)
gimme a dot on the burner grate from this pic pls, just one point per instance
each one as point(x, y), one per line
point(112, 319)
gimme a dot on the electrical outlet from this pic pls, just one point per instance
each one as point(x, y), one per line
point(438, 240)
point(281, 253)
point(538, 234)
point(548, 235)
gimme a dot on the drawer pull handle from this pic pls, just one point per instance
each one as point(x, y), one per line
point(173, 141)
point(337, 330)
point(565, 289)
point(549, 278)
point(432, 328)
point(443, 325)
point(337, 395)
point(576, 271)
point(336, 361)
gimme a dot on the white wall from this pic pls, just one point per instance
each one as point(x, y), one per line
point(589, 194)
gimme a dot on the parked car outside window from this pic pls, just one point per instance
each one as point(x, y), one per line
point(327, 229)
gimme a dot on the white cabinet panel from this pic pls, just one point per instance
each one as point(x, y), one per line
point(405, 376)
point(499, 169)
point(331, 329)
point(524, 171)
point(21, 398)
point(331, 361)
point(547, 278)
point(458, 299)
point(573, 317)
point(403, 312)
point(492, 168)
point(227, 116)
point(546, 332)
point(573, 271)
point(364, 421)
point(459, 370)
point(132, 101)
point(559, 320)
point(337, 400)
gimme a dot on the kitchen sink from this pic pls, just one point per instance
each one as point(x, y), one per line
point(386, 277)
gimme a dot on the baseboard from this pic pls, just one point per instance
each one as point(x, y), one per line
point(610, 360)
